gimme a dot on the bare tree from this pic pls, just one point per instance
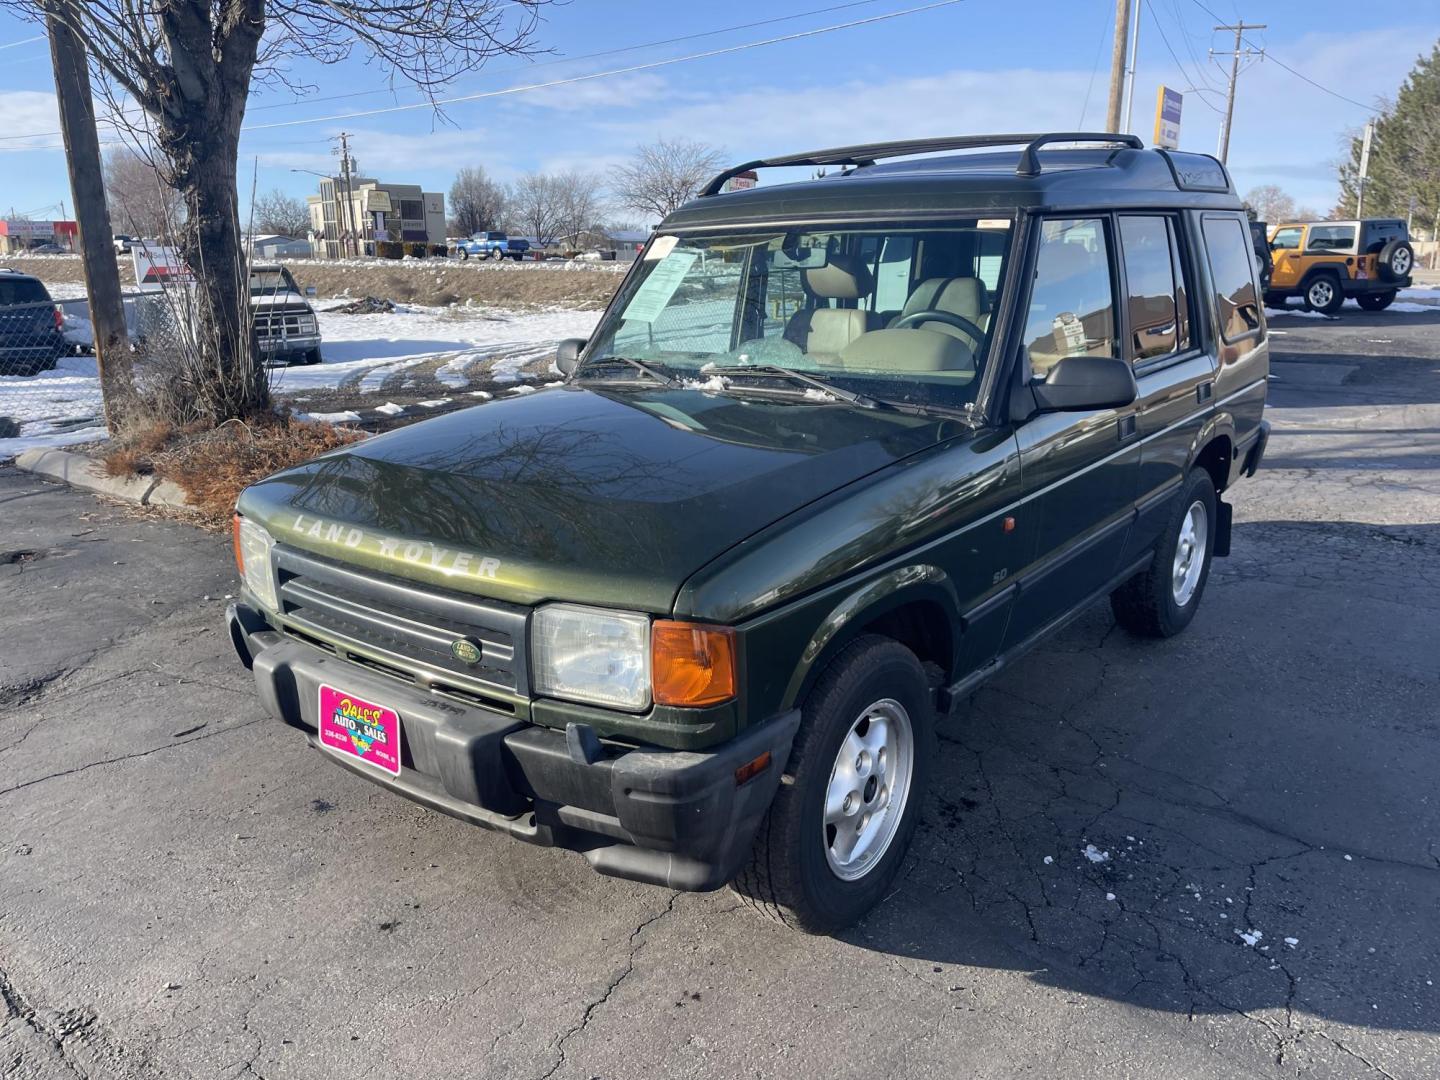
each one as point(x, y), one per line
point(279, 213)
point(187, 66)
point(665, 175)
point(535, 206)
point(581, 205)
point(1270, 203)
point(477, 203)
point(141, 202)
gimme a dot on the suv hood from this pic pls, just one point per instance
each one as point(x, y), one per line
point(289, 298)
point(609, 496)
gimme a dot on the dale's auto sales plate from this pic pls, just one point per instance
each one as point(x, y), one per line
point(361, 729)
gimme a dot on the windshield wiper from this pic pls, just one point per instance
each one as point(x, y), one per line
point(848, 396)
point(653, 370)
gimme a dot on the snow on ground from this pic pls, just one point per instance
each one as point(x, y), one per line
point(361, 351)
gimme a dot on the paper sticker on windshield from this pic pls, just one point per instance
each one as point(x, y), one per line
point(662, 246)
point(993, 223)
point(657, 289)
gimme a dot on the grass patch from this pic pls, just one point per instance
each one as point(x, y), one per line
point(213, 465)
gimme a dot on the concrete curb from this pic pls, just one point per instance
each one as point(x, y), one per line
point(82, 471)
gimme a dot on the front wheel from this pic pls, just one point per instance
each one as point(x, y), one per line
point(463, 254)
point(1323, 295)
point(852, 793)
point(1376, 301)
point(1161, 600)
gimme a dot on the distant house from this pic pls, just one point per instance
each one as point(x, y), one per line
point(20, 235)
point(275, 246)
point(625, 243)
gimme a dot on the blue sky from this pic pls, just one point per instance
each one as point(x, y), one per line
point(974, 66)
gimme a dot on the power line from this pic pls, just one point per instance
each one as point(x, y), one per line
point(606, 74)
point(1298, 74)
point(594, 55)
point(1199, 90)
point(1094, 69)
point(26, 41)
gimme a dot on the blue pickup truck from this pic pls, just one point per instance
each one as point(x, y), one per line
point(492, 245)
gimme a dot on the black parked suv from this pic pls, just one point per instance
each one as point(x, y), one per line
point(838, 451)
point(31, 340)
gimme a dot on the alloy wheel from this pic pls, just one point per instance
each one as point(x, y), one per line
point(1189, 553)
point(868, 789)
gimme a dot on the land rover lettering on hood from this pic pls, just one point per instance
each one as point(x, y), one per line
point(837, 451)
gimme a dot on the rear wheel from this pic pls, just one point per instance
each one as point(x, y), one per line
point(1323, 294)
point(853, 791)
point(1161, 600)
point(497, 254)
point(1376, 301)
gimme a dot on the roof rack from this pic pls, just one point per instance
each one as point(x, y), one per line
point(869, 153)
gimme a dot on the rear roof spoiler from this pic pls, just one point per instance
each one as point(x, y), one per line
point(869, 153)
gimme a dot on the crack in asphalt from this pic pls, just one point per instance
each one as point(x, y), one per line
point(129, 757)
point(636, 944)
point(57, 1037)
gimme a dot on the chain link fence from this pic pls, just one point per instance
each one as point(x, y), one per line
point(49, 380)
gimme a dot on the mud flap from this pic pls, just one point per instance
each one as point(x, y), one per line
point(1224, 516)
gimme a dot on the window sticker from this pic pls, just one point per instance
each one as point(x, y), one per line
point(657, 289)
point(993, 223)
point(662, 246)
point(1070, 331)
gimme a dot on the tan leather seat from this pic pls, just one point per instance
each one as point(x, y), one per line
point(963, 296)
point(823, 332)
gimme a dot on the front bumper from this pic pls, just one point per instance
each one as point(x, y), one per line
point(287, 345)
point(667, 817)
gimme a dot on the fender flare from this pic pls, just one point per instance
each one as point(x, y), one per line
point(922, 582)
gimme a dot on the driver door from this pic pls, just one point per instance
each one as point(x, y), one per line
point(1285, 248)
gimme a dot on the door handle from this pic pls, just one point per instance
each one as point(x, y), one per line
point(1127, 427)
point(1204, 391)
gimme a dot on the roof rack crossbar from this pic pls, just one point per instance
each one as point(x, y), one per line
point(869, 153)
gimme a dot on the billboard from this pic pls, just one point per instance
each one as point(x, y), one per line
point(1167, 118)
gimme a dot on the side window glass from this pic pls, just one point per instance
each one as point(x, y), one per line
point(989, 253)
point(1182, 290)
point(1072, 300)
point(1286, 239)
point(1332, 237)
point(1231, 271)
point(1150, 281)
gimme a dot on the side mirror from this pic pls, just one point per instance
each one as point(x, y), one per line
point(567, 355)
point(1077, 383)
point(310, 290)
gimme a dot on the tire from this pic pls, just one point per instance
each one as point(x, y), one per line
point(463, 254)
point(497, 254)
point(795, 871)
point(1155, 603)
point(1396, 260)
point(1376, 301)
point(312, 356)
point(1323, 294)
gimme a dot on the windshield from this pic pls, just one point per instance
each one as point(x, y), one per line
point(270, 282)
point(899, 313)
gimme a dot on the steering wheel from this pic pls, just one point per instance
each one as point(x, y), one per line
point(949, 318)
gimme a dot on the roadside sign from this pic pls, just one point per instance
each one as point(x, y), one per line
point(742, 181)
point(1167, 118)
point(156, 267)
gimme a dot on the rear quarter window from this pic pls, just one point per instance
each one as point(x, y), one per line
point(24, 291)
point(1232, 275)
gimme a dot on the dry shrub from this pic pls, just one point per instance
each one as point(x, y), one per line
point(214, 466)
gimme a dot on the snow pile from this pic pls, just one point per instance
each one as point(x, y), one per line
point(1094, 854)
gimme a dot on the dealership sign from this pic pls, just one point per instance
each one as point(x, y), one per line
point(1167, 118)
point(156, 267)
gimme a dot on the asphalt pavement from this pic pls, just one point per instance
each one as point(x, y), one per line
point(1216, 856)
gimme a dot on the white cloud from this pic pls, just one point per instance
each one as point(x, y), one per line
point(30, 113)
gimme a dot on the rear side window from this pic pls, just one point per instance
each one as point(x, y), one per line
point(1233, 276)
point(1332, 237)
point(1155, 283)
point(1072, 303)
point(24, 291)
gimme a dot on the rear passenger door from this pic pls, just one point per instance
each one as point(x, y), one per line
point(1078, 467)
point(1174, 372)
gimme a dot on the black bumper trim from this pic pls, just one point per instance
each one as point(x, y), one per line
point(669, 817)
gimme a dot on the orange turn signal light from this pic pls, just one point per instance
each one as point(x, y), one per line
point(235, 539)
point(752, 768)
point(691, 664)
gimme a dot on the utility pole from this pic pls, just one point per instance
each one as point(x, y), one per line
point(1224, 148)
point(354, 226)
point(1364, 173)
point(102, 272)
point(1117, 64)
point(1134, 63)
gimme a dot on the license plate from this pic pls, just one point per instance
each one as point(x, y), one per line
point(360, 729)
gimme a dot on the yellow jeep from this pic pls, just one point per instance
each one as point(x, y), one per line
point(1323, 262)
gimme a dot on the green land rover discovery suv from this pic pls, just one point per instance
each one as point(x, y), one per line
point(837, 451)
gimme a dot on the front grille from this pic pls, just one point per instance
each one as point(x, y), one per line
point(404, 630)
point(281, 325)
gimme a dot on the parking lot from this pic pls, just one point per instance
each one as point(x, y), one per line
point(1213, 856)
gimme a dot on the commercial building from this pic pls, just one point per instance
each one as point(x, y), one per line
point(347, 217)
point(21, 235)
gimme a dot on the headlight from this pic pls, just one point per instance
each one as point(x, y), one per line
point(252, 559)
point(592, 655)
